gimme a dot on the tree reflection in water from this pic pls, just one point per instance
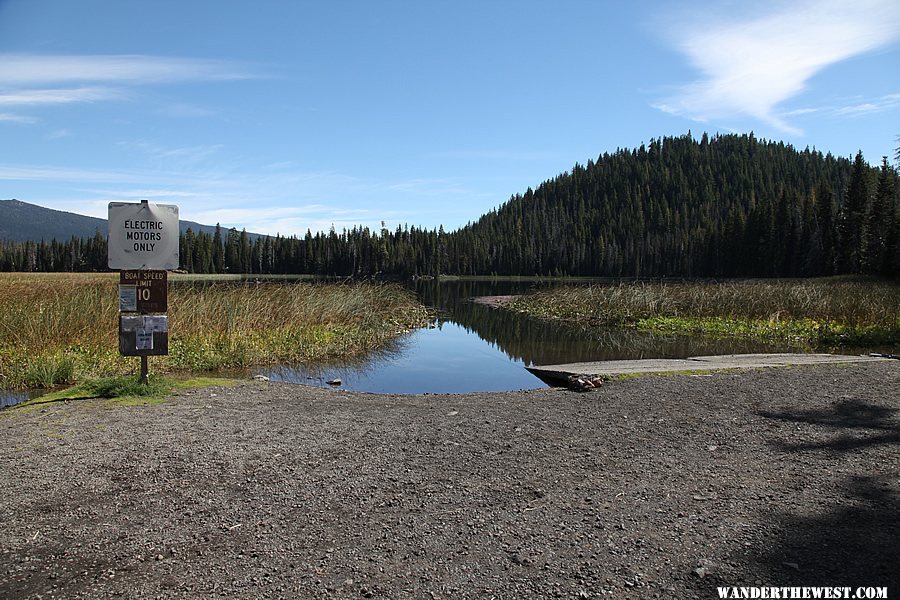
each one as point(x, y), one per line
point(479, 348)
point(537, 342)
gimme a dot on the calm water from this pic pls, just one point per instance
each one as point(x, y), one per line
point(477, 348)
point(9, 398)
point(472, 347)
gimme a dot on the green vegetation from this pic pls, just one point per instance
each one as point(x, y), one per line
point(819, 312)
point(124, 386)
point(722, 206)
point(123, 390)
point(58, 329)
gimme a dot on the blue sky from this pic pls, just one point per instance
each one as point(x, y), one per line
point(283, 116)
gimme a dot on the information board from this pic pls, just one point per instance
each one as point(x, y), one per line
point(143, 235)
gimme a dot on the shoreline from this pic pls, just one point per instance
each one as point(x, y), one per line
point(659, 485)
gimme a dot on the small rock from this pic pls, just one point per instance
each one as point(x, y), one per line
point(584, 383)
point(792, 565)
point(707, 496)
point(452, 413)
point(701, 572)
point(335, 381)
point(260, 378)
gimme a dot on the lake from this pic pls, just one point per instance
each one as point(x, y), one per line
point(473, 347)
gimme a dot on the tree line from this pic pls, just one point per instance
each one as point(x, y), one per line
point(723, 206)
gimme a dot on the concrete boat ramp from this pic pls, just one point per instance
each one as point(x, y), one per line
point(563, 373)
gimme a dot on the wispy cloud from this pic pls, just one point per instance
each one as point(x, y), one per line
point(14, 118)
point(850, 107)
point(500, 155)
point(43, 69)
point(749, 67)
point(57, 96)
point(187, 111)
point(183, 155)
point(878, 105)
point(34, 80)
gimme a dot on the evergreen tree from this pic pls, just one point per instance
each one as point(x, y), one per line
point(853, 219)
point(880, 224)
point(218, 251)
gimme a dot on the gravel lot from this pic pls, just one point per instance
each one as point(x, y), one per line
point(658, 486)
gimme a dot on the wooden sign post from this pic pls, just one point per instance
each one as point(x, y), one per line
point(143, 243)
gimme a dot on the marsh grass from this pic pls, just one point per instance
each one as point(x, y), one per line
point(59, 328)
point(819, 311)
point(124, 386)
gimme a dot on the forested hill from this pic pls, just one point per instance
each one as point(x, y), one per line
point(728, 206)
point(724, 206)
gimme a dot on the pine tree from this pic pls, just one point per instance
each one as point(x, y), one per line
point(853, 219)
point(880, 225)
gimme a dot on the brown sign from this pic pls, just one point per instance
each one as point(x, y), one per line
point(143, 291)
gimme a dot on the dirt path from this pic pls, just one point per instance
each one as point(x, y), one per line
point(659, 486)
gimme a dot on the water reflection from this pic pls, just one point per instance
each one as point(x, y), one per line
point(478, 348)
point(11, 398)
point(445, 359)
point(536, 342)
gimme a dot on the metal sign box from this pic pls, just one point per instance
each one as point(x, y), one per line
point(143, 335)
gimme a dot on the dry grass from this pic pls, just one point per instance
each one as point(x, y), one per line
point(50, 319)
point(820, 310)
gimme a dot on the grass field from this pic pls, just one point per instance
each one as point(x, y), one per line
point(59, 328)
point(835, 312)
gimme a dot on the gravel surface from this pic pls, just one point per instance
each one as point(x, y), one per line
point(657, 486)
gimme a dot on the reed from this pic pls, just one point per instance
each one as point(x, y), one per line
point(61, 328)
point(819, 311)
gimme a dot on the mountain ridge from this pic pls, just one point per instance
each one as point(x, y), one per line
point(23, 222)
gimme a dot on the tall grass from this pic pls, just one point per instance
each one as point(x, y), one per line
point(818, 311)
point(56, 328)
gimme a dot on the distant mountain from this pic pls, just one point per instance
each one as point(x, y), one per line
point(22, 222)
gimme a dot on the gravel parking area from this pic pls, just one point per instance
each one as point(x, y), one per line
point(655, 486)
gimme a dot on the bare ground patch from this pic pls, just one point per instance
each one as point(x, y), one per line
point(657, 486)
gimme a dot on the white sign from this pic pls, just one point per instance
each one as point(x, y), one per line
point(156, 323)
point(150, 323)
point(143, 339)
point(143, 235)
point(128, 298)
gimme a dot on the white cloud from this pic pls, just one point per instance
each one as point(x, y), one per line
point(752, 66)
point(49, 69)
point(39, 79)
point(877, 105)
point(14, 118)
point(57, 96)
